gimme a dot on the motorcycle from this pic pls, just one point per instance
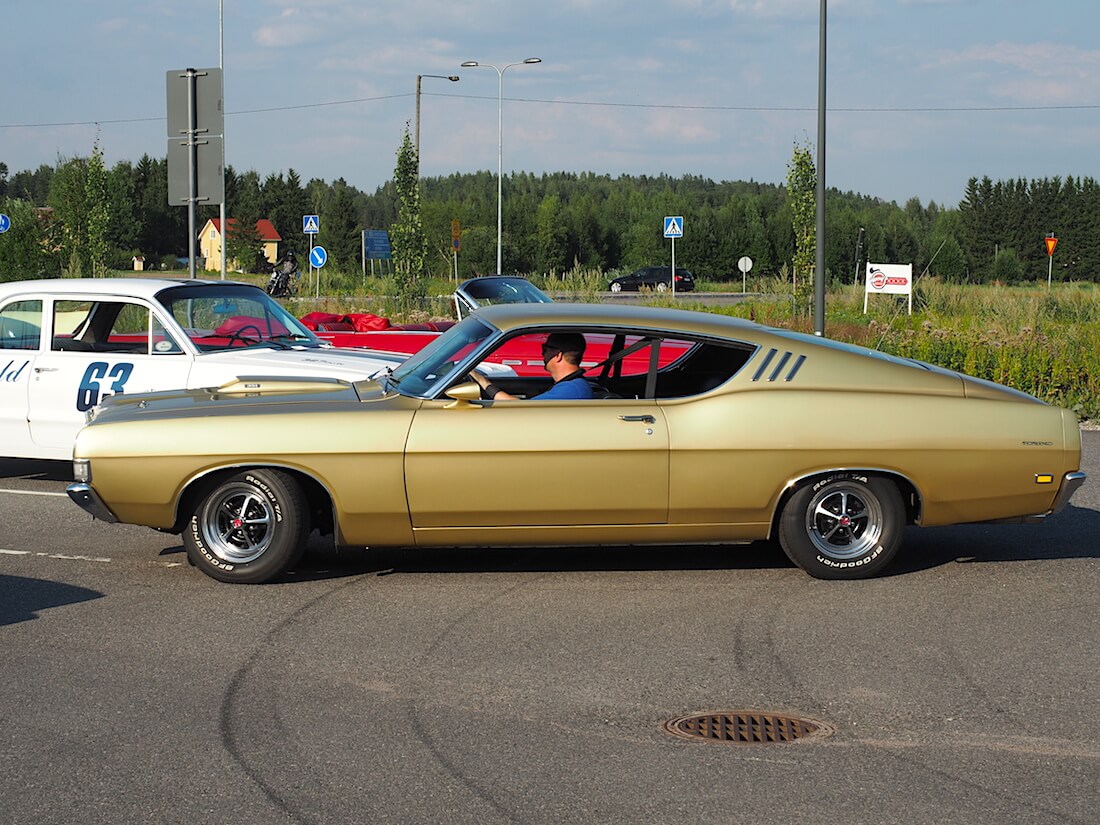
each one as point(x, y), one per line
point(283, 282)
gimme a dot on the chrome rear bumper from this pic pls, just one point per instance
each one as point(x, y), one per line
point(86, 497)
point(1070, 483)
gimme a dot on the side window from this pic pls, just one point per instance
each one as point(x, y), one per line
point(70, 321)
point(692, 368)
point(134, 329)
point(109, 327)
point(683, 367)
point(21, 325)
point(128, 332)
point(163, 342)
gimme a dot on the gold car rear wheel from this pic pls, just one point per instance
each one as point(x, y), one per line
point(843, 526)
point(248, 527)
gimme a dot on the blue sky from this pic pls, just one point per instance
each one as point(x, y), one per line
point(922, 94)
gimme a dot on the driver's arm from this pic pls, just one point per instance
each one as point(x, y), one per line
point(491, 390)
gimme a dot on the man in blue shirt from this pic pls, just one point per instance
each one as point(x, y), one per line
point(561, 355)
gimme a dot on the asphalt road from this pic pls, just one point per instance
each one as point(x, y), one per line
point(531, 686)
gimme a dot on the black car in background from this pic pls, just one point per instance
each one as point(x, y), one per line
point(657, 278)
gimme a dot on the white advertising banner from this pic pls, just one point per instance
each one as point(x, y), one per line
point(891, 279)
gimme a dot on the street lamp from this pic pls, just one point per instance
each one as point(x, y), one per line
point(451, 77)
point(473, 64)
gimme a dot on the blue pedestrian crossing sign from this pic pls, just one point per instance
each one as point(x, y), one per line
point(311, 224)
point(674, 226)
point(317, 257)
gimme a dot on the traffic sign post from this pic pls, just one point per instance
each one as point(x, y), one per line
point(311, 226)
point(456, 243)
point(195, 153)
point(1050, 242)
point(674, 228)
point(318, 257)
point(744, 263)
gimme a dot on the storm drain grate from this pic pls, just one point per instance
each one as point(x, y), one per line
point(746, 728)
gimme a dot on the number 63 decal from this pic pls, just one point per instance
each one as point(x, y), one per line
point(99, 373)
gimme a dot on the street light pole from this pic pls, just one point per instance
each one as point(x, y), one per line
point(451, 77)
point(819, 265)
point(472, 64)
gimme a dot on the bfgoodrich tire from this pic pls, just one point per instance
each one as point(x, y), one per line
point(843, 526)
point(248, 528)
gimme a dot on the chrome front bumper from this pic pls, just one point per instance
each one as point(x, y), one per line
point(86, 497)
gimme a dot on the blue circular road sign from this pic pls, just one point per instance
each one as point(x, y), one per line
point(318, 256)
point(5, 222)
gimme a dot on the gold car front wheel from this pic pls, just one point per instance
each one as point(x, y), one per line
point(248, 527)
point(843, 526)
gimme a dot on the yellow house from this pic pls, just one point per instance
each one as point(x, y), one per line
point(210, 242)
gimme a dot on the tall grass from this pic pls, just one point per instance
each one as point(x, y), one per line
point(1042, 341)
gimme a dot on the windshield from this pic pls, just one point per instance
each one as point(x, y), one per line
point(234, 316)
point(487, 291)
point(420, 374)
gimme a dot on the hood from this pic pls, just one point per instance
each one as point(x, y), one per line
point(349, 365)
point(235, 396)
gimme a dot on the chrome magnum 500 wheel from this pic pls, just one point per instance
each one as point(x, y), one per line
point(843, 526)
point(248, 528)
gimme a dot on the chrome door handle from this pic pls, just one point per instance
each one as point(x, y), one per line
point(645, 419)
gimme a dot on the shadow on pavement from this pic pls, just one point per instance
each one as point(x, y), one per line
point(21, 598)
point(38, 469)
point(324, 562)
point(1069, 535)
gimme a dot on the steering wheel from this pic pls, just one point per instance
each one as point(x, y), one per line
point(238, 335)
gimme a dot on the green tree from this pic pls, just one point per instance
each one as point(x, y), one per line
point(68, 199)
point(1007, 267)
point(243, 245)
point(340, 226)
point(407, 233)
point(801, 195)
point(23, 250)
point(99, 212)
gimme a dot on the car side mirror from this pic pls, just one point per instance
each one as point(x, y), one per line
point(462, 394)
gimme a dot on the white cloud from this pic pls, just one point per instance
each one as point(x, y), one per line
point(1038, 73)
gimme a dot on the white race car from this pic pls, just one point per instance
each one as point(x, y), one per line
point(66, 344)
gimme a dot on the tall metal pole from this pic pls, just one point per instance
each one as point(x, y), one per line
point(500, 146)
point(192, 181)
point(419, 77)
point(819, 267)
point(500, 168)
point(451, 77)
point(221, 65)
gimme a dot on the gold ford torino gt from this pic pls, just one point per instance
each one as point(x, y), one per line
point(700, 428)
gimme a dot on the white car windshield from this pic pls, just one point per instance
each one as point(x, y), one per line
point(234, 316)
point(420, 375)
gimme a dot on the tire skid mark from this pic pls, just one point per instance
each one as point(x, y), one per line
point(1043, 814)
point(425, 735)
point(229, 716)
point(956, 659)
